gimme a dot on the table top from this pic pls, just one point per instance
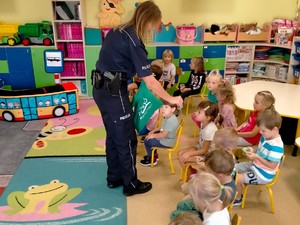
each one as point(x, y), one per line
point(287, 96)
point(297, 141)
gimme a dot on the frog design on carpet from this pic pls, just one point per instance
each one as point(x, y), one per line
point(41, 199)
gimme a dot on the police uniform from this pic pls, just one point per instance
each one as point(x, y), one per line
point(125, 53)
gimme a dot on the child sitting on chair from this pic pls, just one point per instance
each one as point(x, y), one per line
point(196, 79)
point(200, 187)
point(164, 136)
point(169, 69)
point(206, 114)
point(266, 160)
point(226, 98)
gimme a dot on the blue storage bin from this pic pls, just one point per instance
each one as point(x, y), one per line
point(296, 71)
point(297, 56)
point(297, 50)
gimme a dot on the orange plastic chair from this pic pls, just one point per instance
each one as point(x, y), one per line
point(268, 186)
point(171, 150)
point(191, 97)
point(236, 219)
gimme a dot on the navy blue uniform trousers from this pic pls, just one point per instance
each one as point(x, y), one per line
point(121, 140)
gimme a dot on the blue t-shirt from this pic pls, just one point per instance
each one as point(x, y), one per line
point(122, 51)
point(212, 97)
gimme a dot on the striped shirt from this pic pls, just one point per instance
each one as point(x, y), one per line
point(271, 150)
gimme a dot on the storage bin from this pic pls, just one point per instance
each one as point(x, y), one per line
point(296, 71)
point(297, 56)
point(186, 34)
point(297, 50)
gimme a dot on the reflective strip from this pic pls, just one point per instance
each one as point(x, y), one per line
point(132, 162)
point(130, 38)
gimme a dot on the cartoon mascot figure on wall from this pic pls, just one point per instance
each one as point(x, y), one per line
point(110, 14)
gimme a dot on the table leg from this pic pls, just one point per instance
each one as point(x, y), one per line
point(295, 150)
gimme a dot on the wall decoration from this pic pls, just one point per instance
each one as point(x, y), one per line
point(110, 14)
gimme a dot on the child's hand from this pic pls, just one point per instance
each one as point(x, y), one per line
point(181, 88)
point(149, 136)
point(185, 156)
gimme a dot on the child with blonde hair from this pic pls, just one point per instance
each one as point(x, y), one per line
point(213, 80)
point(206, 191)
point(169, 69)
point(196, 79)
point(206, 114)
point(226, 98)
point(249, 131)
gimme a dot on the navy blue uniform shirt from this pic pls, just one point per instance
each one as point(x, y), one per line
point(123, 51)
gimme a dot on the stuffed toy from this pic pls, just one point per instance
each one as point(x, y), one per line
point(222, 29)
point(110, 14)
point(250, 28)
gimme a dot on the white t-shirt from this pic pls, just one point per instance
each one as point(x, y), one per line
point(216, 218)
point(207, 134)
point(168, 70)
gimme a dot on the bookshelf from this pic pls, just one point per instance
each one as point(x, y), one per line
point(68, 29)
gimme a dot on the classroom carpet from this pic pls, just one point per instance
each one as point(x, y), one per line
point(62, 190)
point(80, 134)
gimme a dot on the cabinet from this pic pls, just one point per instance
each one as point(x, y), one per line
point(214, 57)
point(271, 62)
point(68, 29)
point(238, 63)
point(294, 67)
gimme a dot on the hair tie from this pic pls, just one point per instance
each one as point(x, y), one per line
point(206, 108)
point(221, 186)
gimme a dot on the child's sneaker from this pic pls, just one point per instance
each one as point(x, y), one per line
point(237, 201)
point(147, 161)
point(155, 157)
point(143, 139)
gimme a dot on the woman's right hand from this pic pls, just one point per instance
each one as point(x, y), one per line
point(177, 100)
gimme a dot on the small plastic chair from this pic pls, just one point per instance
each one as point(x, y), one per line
point(171, 150)
point(191, 97)
point(236, 219)
point(268, 186)
point(184, 172)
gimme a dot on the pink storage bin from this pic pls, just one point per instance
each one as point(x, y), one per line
point(186, 34)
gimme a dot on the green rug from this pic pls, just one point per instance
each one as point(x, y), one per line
point(62, 190)
point(81, 134)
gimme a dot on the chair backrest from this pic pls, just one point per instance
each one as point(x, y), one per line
point(278, 171)
point(159, 119)
point(203, 89)
point(178, 74)
point(178, 134)
point(236, 219)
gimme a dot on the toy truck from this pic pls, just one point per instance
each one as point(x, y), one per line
point(9, 34)
point(36, 33)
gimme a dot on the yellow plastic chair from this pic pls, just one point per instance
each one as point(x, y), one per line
point(268, 186)
point(191, 97)
point(236, 219)
point(178, 73)
point(171, 150)
point(184, 172)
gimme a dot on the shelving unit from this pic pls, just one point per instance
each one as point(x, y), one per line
point(271, 62)
point(68, 29)
point(294, 66)
point(238, 63)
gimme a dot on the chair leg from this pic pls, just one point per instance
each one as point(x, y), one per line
point(186, 171)
point(181, 174)
point(244, 196)
point(271, 199)
point(195, 130)
point(171, 163)
point(187, 106)
point(152, 156)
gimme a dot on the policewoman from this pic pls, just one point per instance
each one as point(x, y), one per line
point(122, 55)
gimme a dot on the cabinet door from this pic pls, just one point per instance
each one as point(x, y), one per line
point(20, 68)
point(41, 77)
point(214, 51)
point(190, 51)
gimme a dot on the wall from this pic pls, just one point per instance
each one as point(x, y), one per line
point(175, 11)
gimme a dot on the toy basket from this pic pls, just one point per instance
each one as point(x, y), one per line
point(297, 45)
point(296, 71)
point(186, 34)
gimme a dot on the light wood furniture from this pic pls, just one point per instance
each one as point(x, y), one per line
point(265, 35)
point(287, 98)
point(208, 36)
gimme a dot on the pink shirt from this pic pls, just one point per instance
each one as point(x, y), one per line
point(227, 112)
point(248, 126)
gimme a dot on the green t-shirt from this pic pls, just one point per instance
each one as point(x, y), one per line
point(212, 97)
